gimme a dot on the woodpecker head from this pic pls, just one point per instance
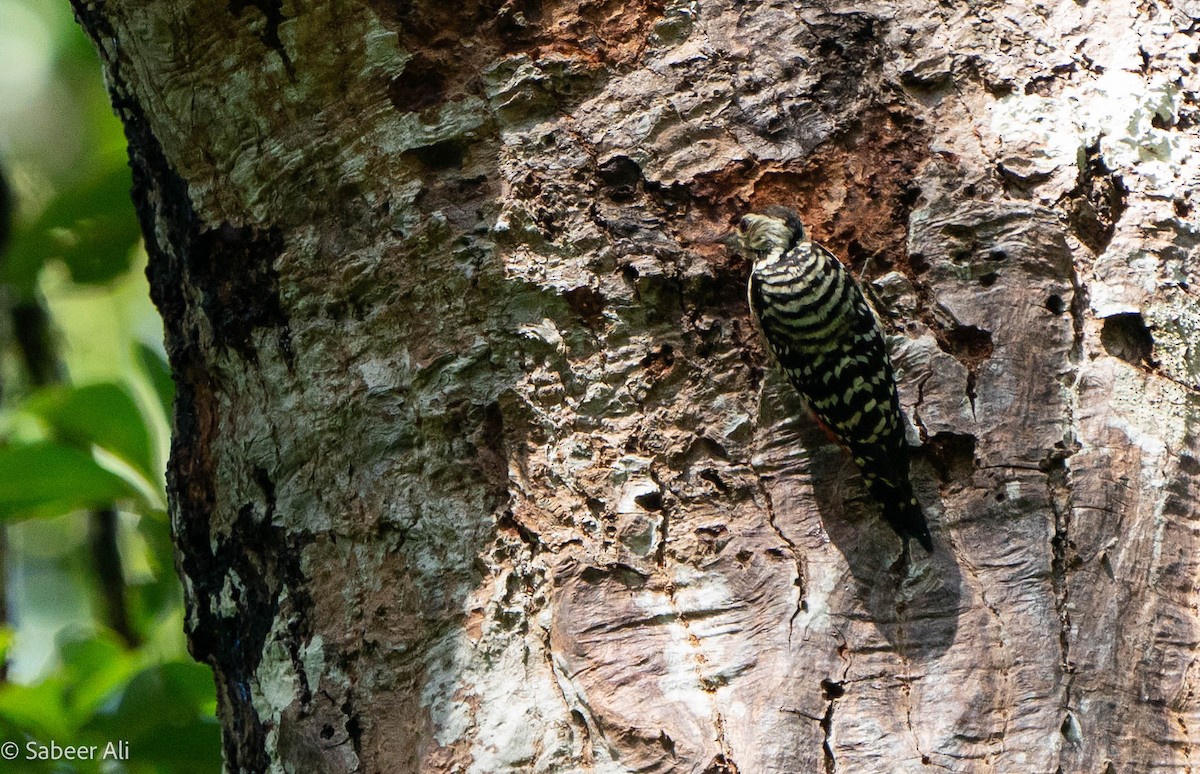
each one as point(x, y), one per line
point(769, 232)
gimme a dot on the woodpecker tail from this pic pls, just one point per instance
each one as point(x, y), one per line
point(902, 512)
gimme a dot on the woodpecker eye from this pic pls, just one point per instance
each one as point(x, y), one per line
point(744, 224)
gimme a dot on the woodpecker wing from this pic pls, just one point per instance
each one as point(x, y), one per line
point(829, 342)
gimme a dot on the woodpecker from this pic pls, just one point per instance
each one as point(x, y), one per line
point(819, 327)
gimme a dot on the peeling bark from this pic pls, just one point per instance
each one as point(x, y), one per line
point(479, 465)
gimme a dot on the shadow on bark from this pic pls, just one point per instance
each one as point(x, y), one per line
point(912, 598)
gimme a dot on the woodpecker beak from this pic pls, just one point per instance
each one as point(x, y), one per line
point(729, 239)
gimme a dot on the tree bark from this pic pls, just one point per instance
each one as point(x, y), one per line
point(478, 463)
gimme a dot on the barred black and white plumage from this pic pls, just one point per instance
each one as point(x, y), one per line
point(820, 328)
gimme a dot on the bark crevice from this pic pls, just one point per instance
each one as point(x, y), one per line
point(797, 557)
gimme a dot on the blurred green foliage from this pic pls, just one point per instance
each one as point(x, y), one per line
point(80, 227)
point(91, 637)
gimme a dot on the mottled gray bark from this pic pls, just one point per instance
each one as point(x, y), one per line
point(478, 464)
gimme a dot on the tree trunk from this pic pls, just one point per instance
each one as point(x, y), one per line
point(479, 465)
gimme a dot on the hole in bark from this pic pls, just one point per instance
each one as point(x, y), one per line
point(919, 263)
point(1182, 208)
point(419, 86)
point(998, 255)
point(999, 89)
point(910, 195)
point(650, 501)
point(622, 574)
point(720, 766)
point(832, 690)
point(829, 48)
point(856, 252)
point(952, 455)
point(586, 302)
point(664, 355)
point(353, 726)
point(442, 155)
point(968, 344)
point(988, 279)
point(1126, 337)
point(714, 478)
point(1001, 496)
point(1056, 304)
point(1097, 202)
point(1041, 85)
point(674, 198)
point(620, 176)
point(327, 731)
point(518, 22)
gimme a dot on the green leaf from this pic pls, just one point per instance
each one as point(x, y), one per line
point(156, 599)
point(159, 373)
point(165, 714)
point(191, 749)
point(91, 226)
point(92, 669)
point(6, 641)
point(36, 708)
point(104, 414)
point(48, 479)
